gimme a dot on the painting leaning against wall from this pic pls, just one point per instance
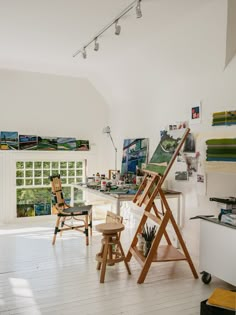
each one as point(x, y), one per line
point(135, 152)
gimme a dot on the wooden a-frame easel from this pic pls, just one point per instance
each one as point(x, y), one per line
point(146, 194)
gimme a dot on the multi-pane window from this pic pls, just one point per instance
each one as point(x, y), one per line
point(33, 184)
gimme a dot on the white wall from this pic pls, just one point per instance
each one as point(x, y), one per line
point(157, 69)
point(49, 105)
point(181, 64)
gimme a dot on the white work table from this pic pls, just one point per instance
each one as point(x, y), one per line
point(118, 198)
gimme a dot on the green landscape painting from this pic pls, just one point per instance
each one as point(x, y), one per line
point(47, 143)
point(28, 142)
point(165, 150)
point(9, 140)
point(82, 145)
point(66, 144)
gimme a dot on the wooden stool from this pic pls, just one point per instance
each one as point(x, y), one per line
point(111, 251)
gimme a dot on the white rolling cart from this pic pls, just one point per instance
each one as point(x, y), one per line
point(217, 250)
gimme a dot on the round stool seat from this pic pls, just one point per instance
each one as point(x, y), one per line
point(109, 228)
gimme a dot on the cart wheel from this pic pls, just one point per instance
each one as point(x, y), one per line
point(206, 277)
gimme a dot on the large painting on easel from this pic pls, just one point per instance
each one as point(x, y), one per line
point(166, 150)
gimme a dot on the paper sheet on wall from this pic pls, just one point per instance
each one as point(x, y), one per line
point(201, 184)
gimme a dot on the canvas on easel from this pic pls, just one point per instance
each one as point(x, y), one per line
point(155, 174)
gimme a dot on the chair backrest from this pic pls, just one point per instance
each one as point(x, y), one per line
point(57, 193)
point(114, 218)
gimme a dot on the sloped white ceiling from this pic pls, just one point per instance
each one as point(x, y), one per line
point(231, 32)
point(174, 38)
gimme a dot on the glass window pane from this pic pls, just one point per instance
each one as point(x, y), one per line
point(71, 164)
point(29, 182)
point(79, 164)
point(29, 165)
point(71, 180)
point(79, 172)
point(63, 180)
point(54, 172)
point(63, 164)
point(37, 173)
point(37, 165)
point(46, 173)
point(19, 165)
point(28, 173)
point(55, 165)
point(78, 180)
point(46, 181)
point(19, 173)
point(63, 173)
point(46, 165)
point(19, 182)
point(37, 181)
point(71, 173)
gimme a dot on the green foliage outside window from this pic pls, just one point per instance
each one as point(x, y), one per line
point(34, 187)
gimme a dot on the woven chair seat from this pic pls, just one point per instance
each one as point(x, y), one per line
point(77, 210)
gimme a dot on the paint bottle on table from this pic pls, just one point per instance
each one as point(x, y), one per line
point(97, 177)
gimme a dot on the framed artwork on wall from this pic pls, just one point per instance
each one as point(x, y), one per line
point(196, 114)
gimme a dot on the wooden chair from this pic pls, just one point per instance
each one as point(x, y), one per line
point(111, 250)
point(69, 218)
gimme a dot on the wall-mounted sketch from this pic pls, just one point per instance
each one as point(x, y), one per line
point(189, 145)
point(181, 175)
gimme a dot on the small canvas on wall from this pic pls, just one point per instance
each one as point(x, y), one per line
point(47, 143)
point(196, 114)
point(82, 145)
point(135, 152)
point(66, 144)
point(28, 142)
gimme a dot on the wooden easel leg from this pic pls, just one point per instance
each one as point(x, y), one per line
point(183, 246)
point(179, 236)
point(123, 254)
point(157, 214)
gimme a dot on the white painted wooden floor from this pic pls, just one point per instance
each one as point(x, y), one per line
point(37, 278)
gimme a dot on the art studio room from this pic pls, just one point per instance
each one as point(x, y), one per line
point(118, 157)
